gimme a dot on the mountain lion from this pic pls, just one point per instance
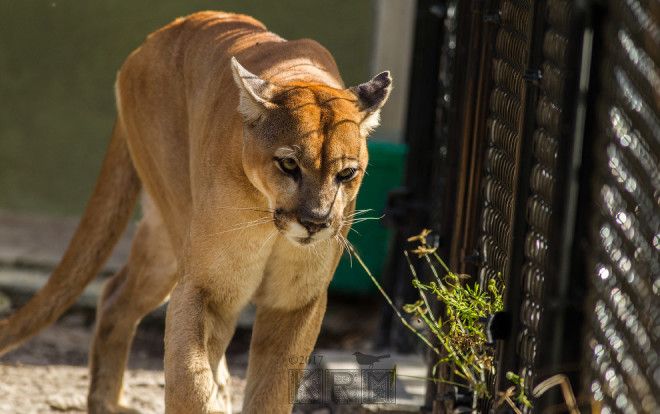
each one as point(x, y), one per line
point(250, 173)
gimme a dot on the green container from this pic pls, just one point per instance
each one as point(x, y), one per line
point(371, 238)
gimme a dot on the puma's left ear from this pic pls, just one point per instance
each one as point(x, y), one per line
point(372, 96)
point(256, 93)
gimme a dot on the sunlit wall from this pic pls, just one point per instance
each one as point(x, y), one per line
point(58, 61)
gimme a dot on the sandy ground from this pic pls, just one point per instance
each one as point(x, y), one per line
point(62, 388)
point(49, 373)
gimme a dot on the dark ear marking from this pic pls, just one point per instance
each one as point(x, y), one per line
point(372, 95)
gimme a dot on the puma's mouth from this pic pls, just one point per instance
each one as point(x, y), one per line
point(299, 235)
point(305, 240)
point(289, 225)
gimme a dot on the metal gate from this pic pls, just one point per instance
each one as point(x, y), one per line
point(550, 130)
point(624, 228)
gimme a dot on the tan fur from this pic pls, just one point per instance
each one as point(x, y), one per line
point(223, 225)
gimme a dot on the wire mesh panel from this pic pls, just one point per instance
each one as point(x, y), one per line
point(624, 234)
point(505, 132)
point(505, 124)
point(552, 116)
point(526, 220)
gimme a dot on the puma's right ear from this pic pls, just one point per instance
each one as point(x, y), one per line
point(256, 93)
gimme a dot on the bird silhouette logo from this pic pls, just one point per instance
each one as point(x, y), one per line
point(370, 360)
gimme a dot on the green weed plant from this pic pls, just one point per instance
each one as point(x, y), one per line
point(460, 331)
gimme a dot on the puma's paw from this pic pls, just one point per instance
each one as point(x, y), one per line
point(124, 410)
point(223, 394)
point(107, 408)
point(224, 400)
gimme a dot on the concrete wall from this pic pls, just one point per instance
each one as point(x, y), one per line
point(393, 39)
point(58, 60)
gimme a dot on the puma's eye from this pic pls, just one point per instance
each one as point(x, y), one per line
point(288, 165)
point(346, 174)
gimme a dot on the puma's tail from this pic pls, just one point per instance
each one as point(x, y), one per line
point(103, 222)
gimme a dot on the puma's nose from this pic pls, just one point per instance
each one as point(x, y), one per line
point(314, 223)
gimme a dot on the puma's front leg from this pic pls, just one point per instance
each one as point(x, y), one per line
point(198, 327)
point(280, 337)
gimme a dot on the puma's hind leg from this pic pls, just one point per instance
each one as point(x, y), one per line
point(138, 288)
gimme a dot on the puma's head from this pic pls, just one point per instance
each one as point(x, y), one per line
point(305, 148)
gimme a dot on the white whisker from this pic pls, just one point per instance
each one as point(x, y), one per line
point(270, 236)
point(361, 219)
point(358, 212)
point(257, 209)
point(356, 232)
point(246, 225)
point(344, 242)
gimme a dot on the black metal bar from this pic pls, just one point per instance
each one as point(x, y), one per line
point(422, 157)
point(560, 350)
point(594, 16)
point(509, 357)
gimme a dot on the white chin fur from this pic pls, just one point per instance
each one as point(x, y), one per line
point(296, 231)
point(299, 235)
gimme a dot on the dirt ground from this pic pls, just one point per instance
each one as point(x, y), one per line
point(49, 373)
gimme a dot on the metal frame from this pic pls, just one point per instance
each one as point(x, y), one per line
point(546, 243)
